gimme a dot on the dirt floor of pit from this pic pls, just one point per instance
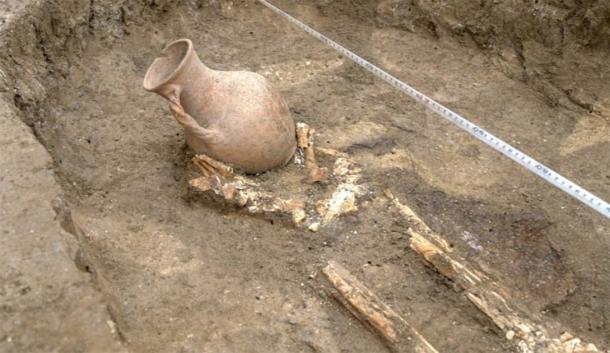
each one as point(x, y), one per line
point(181, 274)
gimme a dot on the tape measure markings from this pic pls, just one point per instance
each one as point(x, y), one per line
point(481, 134)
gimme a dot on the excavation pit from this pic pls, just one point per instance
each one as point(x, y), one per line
point(87, 151)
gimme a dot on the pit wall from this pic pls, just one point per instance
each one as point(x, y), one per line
point(48, 301)
point(49, 297)
point(39, 43)
point(559, 47)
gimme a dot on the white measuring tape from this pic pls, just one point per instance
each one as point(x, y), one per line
point(511, 152)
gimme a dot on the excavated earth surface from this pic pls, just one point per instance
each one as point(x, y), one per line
point(104, 248)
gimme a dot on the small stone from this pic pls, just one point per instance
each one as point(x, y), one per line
point(510, 334)
point(314, 227)
point(111, 325)
point(524, 328)
point(298, 216)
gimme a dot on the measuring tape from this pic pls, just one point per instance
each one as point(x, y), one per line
point(511, 152)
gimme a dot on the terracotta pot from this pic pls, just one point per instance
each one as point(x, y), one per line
point(236, 117)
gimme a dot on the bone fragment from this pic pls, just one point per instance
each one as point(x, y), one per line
point(530, 332)
point(305, 136)
point(398, 334)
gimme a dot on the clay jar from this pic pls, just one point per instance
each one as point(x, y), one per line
point(236, 117)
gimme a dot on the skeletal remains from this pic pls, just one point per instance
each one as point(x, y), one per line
point(237, 121)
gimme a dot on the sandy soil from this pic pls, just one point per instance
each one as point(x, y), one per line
point(180, 273)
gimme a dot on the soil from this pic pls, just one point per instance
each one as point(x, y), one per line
point(180, 273)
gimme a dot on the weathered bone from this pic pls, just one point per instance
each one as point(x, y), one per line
point(368, 308)
point(530, 332)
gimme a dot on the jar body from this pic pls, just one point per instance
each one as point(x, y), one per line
point(248, 122)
